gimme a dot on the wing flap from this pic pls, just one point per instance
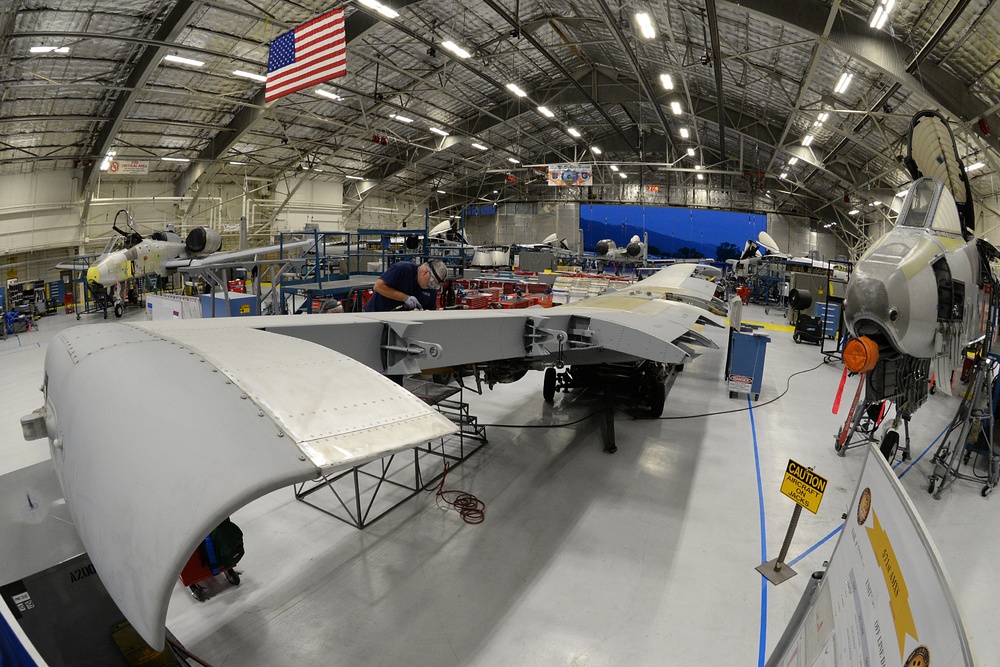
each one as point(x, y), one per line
point(156, 439)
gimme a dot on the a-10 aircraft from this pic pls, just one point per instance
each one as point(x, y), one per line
point(271, 401)
point(634, 252)
point(129, 256)
point(925, 291)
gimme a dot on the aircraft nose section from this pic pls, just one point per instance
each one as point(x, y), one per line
point(866, 298)
point(94, 274)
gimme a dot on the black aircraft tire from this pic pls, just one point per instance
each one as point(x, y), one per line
point(656, 397)
point(549, 385)
point(119, 310)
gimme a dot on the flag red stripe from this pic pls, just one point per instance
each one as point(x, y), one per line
point(320, 55)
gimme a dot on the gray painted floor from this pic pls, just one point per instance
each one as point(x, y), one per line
point(643, 557)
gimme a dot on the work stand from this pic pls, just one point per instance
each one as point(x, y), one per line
point(970, 431)
point(362, 495)
point(863, 429)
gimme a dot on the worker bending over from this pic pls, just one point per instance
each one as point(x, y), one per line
point(408, 285)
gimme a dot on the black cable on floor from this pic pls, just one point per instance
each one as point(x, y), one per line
point(471, 509)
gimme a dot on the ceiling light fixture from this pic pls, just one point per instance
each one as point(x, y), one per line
point(808, 139)
point(175, 159)
point(701, 177)
point(250, 75)
point(690, 152)
point(513, 160)
point(441, 192)
point(545, 111)
point(792, 161)
point(184, 61)
point(623, 174)
point(513, 87)
point(327, 94)
point(356, 178)
point(784, 174)
point(49, 49)
point(437, 130)
point(646, 26)
point(822, 118)
point(667, 81)
point(684, 133)
point(595, 150)
point(613, 168)
point(843, 83)
point(973, 167)
point(675, 106)
point(573, 132)
point(480, 147)
point(388, 12)
point(853, 211)
point(238, 164)
point(106, 163)
point(881, 14)
point(401, 119)
point(456, 49)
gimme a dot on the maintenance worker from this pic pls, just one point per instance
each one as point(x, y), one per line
point(408, 285)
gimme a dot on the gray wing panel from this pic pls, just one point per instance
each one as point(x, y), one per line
point(157, 439)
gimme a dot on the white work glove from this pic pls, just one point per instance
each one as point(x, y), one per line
point(411, 303)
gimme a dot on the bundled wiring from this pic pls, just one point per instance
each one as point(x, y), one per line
point(471, 509)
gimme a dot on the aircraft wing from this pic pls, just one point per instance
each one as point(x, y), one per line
point(235, 255)
point(243, 412)
point(253, 404)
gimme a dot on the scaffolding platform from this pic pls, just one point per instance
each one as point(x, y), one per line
point(362, 495)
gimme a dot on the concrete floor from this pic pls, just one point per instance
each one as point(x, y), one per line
point(642, 557)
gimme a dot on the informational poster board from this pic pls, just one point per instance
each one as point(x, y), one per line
point(570, 174)
point(884, 600)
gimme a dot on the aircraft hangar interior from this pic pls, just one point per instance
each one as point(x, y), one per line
point(424, 332)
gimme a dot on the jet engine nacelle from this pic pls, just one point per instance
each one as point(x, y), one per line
point(634, 247)
point(202, 241)
point(605, 246)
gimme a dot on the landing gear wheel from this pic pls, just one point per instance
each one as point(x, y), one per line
point(233, 577)
point(119, 310)
point(198, 592)
point(656, 397)
point(890, 443)
point(549, 385)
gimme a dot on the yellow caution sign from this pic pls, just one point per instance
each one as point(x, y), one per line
point(803, 486)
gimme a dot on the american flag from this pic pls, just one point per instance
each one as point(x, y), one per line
point(312, 53)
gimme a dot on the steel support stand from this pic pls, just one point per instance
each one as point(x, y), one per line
point(775, 569)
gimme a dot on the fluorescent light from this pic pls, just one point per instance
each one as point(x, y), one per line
point(877, 203)
point(684, 133)
point(437, 130)
point(973, 167)
point(513, 160)
point(613, 168)
point(622, 174)
point(184, 61)
point(881, 14)
point(691, 152)
point(480, 147)
point(455, 48)
point(843, 83)
point(675, 106)
point(356, 178)
point(853, 211)
point(106, 163)
point(784, 174)
point(327, 94)
point(667, 81)
point(49, 49)
point(822, 117)
point(808, 140)
point(238, 164)
point(441, 192)
point(401, 119)
point(701, 177)
point(645, 25)
point(903, 193)
point(250, 75)
point(792, 160)
point(175, 159)
point(546, 112)
point(512, 87)
point(595, 150)
point(573, 132)
point(380, 8)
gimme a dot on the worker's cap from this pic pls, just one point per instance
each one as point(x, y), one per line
point(438, 273)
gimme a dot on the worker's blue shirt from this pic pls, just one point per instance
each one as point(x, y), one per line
point(403, 277)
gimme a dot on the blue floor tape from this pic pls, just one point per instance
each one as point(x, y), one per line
point(762, 642)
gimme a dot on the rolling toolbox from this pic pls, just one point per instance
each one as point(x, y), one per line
point(217, 554)
point(808, 328)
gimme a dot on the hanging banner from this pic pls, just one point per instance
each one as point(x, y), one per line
point(128, 167)
point(884, 598)
point(570, 174)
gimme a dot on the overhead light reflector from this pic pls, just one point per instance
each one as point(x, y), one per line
point(667, 81)
point(843, 83)
point(973, 167)
point(401, 119)
point(573, 132)
point(513, 87)
point(881, 14)
point(480, 147)
point(440, 192)
point(792, 161)
point(784, 174)
point(613, 168)
point(808, 140)
point(684, 133)
point(184, 61)
point(513, 160)
point(595, 150)
point(853, 211)
point(646, 26)
point(437, 130)
point(250, 75)
point(622, 174)
point(327, 94)
point(356, 178)
point(691, 152)
point(388, 12)
point(455, 48)
point(545, 111)
point(675, 106)
point(49, 49)
point(175, 159)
